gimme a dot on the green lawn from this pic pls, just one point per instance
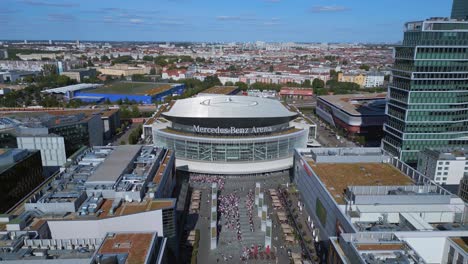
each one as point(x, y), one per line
point(127, 88)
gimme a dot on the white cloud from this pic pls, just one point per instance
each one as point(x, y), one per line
point(228, 17)
point(136, 20)
point(323, 9)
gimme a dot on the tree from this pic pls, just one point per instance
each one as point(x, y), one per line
point(307, 84)
point(242, 85)
point(148, 58)
point(229, 84)
point(317, 83)
point(333, 75)
point(50, 101)
point(49, 69)
point(153, 71)
point(364, 67)
point(135, 135)
point(123, 59)
point(63, 80)
point(104, 58)
point(135, 111)
point(211, 81)
point(271, 68)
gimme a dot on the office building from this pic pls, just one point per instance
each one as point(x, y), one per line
point(110, 117)
point(57, 134)
point(463, 188)
point(20, 173)
point(80, 75)
point(445, 167)
point(52, 147)
point(124, 69)
point(292, 93)
point(427, 97)
point(460, 9)
point(3, 54)
point(15, 75)
point(382, 247)
point(358, 79)
point(230, 134)
point(374, 79)
point(114, 194)
point(114, 248)
point(264, 93)
point(355, 114)
point(364, 199)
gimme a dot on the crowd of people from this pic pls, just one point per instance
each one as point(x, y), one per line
point(200, 178)
point(229, 209)
point(249, 202)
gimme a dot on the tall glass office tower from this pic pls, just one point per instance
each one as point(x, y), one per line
point(428, 97)
point(460, 9)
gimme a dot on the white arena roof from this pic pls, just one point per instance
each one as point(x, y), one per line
point(228, 107)
point(72, 88)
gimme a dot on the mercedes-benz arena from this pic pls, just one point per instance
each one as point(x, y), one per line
point(231, 135)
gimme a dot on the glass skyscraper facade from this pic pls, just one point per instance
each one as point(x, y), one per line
point(428, 97)
point(460, 9)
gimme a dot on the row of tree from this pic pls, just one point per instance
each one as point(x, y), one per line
point(135, 135)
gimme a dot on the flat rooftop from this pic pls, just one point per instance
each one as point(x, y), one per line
point(338, 176)
point(114, 165)
point(136, 245)
point(226, 90)
point(380, 247)
point(134, 208)
point(133, 88)
point(162, 168)
point(358, 104)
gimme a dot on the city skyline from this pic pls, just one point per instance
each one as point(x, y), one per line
point(207, 21)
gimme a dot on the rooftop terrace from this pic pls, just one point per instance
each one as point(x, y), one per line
point(338, 176)
point(134, 208)
point(136, 245)
point(224, 90)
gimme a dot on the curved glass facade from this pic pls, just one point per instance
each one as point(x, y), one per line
point(241, 149)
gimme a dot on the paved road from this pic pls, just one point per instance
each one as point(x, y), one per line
point(125, 135)
point(327, 136)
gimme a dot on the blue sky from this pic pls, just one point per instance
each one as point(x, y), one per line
point(215, 20)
